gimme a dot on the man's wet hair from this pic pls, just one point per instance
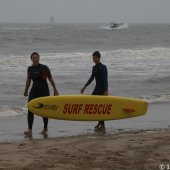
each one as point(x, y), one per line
point(97, 54)
point(34, 53)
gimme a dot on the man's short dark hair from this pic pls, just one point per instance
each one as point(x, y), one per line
point(97, 54)
point(34, 53)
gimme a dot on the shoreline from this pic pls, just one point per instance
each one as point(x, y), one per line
point(139, 143)
point(128, 150)
point(12, 128)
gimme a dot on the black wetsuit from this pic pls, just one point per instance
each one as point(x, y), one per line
point(99, 72)
point(39, 75)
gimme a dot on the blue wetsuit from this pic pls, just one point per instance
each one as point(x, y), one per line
point(40, 88)
point(99, 72)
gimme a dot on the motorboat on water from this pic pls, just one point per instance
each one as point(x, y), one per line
point(115, 25)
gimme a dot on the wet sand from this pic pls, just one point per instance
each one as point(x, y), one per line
point(141, 143)
point(144, 150)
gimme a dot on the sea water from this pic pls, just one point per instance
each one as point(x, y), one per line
point(137, 57)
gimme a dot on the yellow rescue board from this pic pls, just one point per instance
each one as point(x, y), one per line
point(87, 107)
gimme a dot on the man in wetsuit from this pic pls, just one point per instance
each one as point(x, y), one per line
point(39, 74)
point(99, 72)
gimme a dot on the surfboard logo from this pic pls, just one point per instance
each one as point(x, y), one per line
point(47, 107)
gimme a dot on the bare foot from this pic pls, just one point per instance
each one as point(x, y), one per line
point(100, 128)
point(44, 132)
point(28, 133)
point(97, 126)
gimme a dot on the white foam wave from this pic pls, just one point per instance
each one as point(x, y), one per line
point(157, 52)
point(6, 111)
point(157, 98)
point(147, 53)
point(141, 58)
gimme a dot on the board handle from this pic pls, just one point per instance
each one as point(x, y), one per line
point(128, 110)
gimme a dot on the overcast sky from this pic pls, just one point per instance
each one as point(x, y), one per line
point(129, 11)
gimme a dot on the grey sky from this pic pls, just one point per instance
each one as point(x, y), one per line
point(129, 11)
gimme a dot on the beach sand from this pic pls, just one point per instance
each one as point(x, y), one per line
point(143, 150)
